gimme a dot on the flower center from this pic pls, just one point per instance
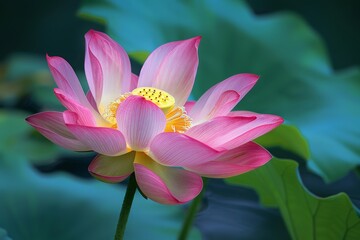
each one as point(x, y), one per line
point(176, 118)
point(161, 98)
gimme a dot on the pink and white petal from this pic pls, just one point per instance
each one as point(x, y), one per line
point(134, 82)
point(225, 103)
point(229, 132)
point(189, 105)
point(107, 68)
point(52, 126)
point(165, 185)
point(71, 118)
point(172, 67)
point(94, 74)
point(179, 150)
point(244, 114)
point(234, 162)
point(92, 101)
point(106, 141)
point(85, 116)
point(66, 79)
point(214, 99)
point(149, 70)
point(112, 169)
point(218, 131)
point(263, 124)
point(140, 121)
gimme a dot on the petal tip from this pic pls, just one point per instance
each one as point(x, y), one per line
point(91, 32)
point(58, 92)
point(197, 40)
point(53, 61)
point(277, 120)
point(94, 34)
point(28, 119)
point(280, 120)
point(251, 76)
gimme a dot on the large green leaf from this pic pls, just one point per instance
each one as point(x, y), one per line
point(37, 206)
point(234, 212)
point(288, 138)
point(297, 81)
point(306, 216)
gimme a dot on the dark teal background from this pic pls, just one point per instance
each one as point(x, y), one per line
point(41, 26)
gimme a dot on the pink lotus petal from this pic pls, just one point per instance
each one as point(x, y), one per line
point(106, 141)
point(134, 82)
point(234, 162)
point(107, 68)
point(222, 98)
point(245, 114)
point(219, 130)
point(91, 100)
point(94, 74)
point(232, 131)
point(225, 103)
point(85, 116)
point(52, 126)
point(112, 169)
point(189, 105)
point(172, 67)
point(71, 118)
point(165, 185)
point(139, 120)
point(263, 124)
point(66, 79)
point(179, 150)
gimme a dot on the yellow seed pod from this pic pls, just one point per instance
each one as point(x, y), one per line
point(161, 98)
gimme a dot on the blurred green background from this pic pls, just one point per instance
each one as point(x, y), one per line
point(52, 27)
point(307, 55)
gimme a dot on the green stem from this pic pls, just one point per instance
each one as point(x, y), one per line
point(126, 207)
point(191, 213)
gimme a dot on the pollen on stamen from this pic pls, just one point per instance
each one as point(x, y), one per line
point(177, 120)
point(109, 113)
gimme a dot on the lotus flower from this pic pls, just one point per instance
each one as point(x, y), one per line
point(145, 124)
